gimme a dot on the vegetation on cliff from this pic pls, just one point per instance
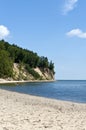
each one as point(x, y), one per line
point(26, 60)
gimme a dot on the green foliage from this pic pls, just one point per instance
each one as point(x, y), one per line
point(43, 62)
point(6, 64)
point(51, 65)
point(32, 72)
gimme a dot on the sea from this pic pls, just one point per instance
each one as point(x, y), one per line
point(67, 90)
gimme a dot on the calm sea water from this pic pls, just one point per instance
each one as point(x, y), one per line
point(74, 91)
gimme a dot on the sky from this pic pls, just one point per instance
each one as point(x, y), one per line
point(53, 28)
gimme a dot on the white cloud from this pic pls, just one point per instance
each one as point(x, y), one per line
point(69, 5)
point(4, 32)
point(77, 32)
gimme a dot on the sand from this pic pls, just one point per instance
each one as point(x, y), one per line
point(4, 81)
point(26, 112)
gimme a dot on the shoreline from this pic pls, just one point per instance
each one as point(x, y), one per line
point(3, 81)
point(22, 111)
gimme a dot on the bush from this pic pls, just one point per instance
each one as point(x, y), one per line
point(32, 72)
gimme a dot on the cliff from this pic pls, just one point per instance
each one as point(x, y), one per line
point(20, 73)
point(17, 63)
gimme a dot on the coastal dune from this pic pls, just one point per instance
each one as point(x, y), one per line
point(26, 112)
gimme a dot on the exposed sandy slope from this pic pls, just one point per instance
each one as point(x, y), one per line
point(25, 112)
point(23, 74)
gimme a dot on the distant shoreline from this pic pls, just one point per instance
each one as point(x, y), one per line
point(3, 81)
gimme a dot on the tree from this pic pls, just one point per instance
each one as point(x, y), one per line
point(6, 64)
point(2, 46)
point(43, 62)
point(51, 66)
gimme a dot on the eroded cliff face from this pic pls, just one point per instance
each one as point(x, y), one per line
point(46, 74)
point(20, 73)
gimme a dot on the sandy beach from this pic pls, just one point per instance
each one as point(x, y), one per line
point(26, 112)
point(4, 81)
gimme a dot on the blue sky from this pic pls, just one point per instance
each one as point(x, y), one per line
point(52, 28)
